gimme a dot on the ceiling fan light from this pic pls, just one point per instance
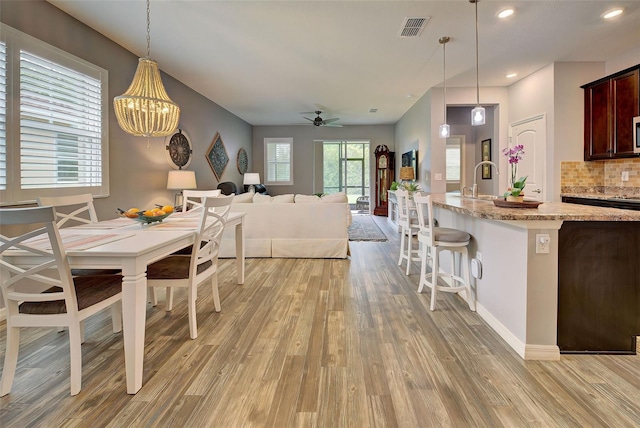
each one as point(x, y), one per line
point(478, 116)
point(445, 131)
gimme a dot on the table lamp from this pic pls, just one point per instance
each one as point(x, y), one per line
point(250, 179)
point(180, 180)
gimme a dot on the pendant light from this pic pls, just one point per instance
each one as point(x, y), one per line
point(145, 109)
point(478, 115)
point(445, 130)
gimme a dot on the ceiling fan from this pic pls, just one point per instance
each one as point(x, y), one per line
point(318, 121)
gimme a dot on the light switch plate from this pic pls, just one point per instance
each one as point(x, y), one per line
point(625, 175)
point(543, 242)
point(438, 176)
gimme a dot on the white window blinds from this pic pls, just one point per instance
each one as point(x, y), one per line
point(452, 153)
point(60, 125)
point(53, 121)
point(278, 160)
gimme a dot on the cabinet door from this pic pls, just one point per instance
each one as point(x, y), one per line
point(624, 90)
point(597, 134)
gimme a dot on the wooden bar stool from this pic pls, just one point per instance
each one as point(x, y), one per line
point(408, 222)
point(435, 240)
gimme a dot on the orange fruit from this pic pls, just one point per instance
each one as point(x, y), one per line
point(149, 213)
point(167, 209)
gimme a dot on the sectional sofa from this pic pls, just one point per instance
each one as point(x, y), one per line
point(291, 226)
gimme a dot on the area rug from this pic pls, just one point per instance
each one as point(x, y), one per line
point(364, 228)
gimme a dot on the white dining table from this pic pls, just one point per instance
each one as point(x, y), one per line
point(130, 246)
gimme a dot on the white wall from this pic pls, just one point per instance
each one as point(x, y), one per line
point(304, 165)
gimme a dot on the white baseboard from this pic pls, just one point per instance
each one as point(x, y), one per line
point(526, 351)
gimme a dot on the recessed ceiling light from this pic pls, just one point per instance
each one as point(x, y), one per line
point(511, 75)
point(613, 13)
point(409, 95)
point(506, 13)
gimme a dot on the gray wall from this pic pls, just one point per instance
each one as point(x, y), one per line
point(305, 163)
point(138, 175)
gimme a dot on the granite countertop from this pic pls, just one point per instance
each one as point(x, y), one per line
point(483, 208)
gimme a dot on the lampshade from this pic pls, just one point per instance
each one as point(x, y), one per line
point(251, 178)
point(145, 109)
point(406, 173)
point(181, 179)
point(478, 115)
point(444, 128)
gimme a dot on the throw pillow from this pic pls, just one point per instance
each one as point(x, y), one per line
point(307, 199)
point(261, 199)
point(243, 198)
point(335, 198)
point(283, 199)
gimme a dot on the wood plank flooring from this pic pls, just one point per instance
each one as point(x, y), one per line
point(318, 343)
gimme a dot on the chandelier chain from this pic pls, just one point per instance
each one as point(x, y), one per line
point(148, 29)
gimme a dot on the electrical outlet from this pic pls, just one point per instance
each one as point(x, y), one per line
point(625, 175)
point(543, 241)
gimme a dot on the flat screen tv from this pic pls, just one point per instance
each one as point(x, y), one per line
point(411, 159)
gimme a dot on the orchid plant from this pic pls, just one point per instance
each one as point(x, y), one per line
point(514, 155)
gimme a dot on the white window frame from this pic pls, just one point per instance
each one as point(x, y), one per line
point(267, 161)
point(16, 41)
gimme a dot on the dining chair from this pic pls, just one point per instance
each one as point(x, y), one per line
point(180, 270)
point(67, 301)
point(191, 201)
point(408, 222)
point(434, 240)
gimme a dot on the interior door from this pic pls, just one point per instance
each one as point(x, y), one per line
point(532, 134)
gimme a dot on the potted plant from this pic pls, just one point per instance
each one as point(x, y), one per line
point(515, 192)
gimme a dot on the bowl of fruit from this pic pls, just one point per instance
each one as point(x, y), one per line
point(147, 216)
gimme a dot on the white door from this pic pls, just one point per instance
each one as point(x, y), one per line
point(532, 134)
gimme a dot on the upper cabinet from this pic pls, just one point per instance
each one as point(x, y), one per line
point(610, 104)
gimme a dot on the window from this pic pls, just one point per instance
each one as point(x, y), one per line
point(278, 161)
point(345, 168)
point(453, 160)
point(53, 116)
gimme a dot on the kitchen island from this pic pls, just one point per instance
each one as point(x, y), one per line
point(518, 292)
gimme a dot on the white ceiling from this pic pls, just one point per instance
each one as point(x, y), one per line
point(266, 61)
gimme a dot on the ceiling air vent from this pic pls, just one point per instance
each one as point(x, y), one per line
point(373, 110)
point(412, 26)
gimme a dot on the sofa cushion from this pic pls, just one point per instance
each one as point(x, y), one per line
point(283, 199)
point(307, 199)
point(261, 199)
point(335, 198)
point(244, 198)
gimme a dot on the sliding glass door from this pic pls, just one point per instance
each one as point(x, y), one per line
point(346, 168)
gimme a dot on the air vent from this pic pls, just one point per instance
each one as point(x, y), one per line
point(373, 110)
point(412, 26)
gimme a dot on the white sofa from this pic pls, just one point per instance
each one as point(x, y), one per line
point(303, 226)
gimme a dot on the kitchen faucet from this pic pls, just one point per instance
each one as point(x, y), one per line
point(474, 189)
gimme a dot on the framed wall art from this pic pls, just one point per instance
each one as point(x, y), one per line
point(243, 161)
point(486, 156)
point(217, 156)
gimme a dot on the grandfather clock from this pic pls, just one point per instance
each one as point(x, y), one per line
point(385, 174)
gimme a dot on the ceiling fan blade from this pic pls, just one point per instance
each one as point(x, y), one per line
point(310, 120)
point(333, 125)
point(331, 120)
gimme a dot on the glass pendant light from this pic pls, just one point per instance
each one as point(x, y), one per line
point(445, 130)
point(478, 115)
point(145, 109)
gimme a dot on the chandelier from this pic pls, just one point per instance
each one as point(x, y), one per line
point(145, 109)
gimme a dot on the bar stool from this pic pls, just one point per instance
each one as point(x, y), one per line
point(437, 239)
point(408, 222)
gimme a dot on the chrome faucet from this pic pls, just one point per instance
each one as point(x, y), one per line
point(474, 189)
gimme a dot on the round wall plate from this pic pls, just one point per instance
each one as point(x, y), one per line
point(243, 161)
point(178, 150)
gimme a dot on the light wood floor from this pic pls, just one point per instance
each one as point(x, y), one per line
point(318, 343)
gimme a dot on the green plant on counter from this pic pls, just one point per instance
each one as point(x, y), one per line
point(394, 185)
point(410, 186)
point(516, 188)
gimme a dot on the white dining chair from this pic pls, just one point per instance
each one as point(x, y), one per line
point(434, 240)
point(180, 270)
point(409, 227)
point(192, 202)
point(67, 301)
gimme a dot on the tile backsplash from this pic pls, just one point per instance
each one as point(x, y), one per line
point(600, 176)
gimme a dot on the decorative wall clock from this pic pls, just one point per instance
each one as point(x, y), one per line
point(243, 161)
point(179, 150)
point(217, 156)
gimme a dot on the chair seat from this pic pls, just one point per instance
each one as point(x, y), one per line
point(174, 267)
point(89, 291)
point(445, 234)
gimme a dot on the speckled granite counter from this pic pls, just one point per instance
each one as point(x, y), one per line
point(482, 208)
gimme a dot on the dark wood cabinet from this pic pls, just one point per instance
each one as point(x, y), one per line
point(610, 104)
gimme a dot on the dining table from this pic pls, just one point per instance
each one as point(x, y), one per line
point(131, 246)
